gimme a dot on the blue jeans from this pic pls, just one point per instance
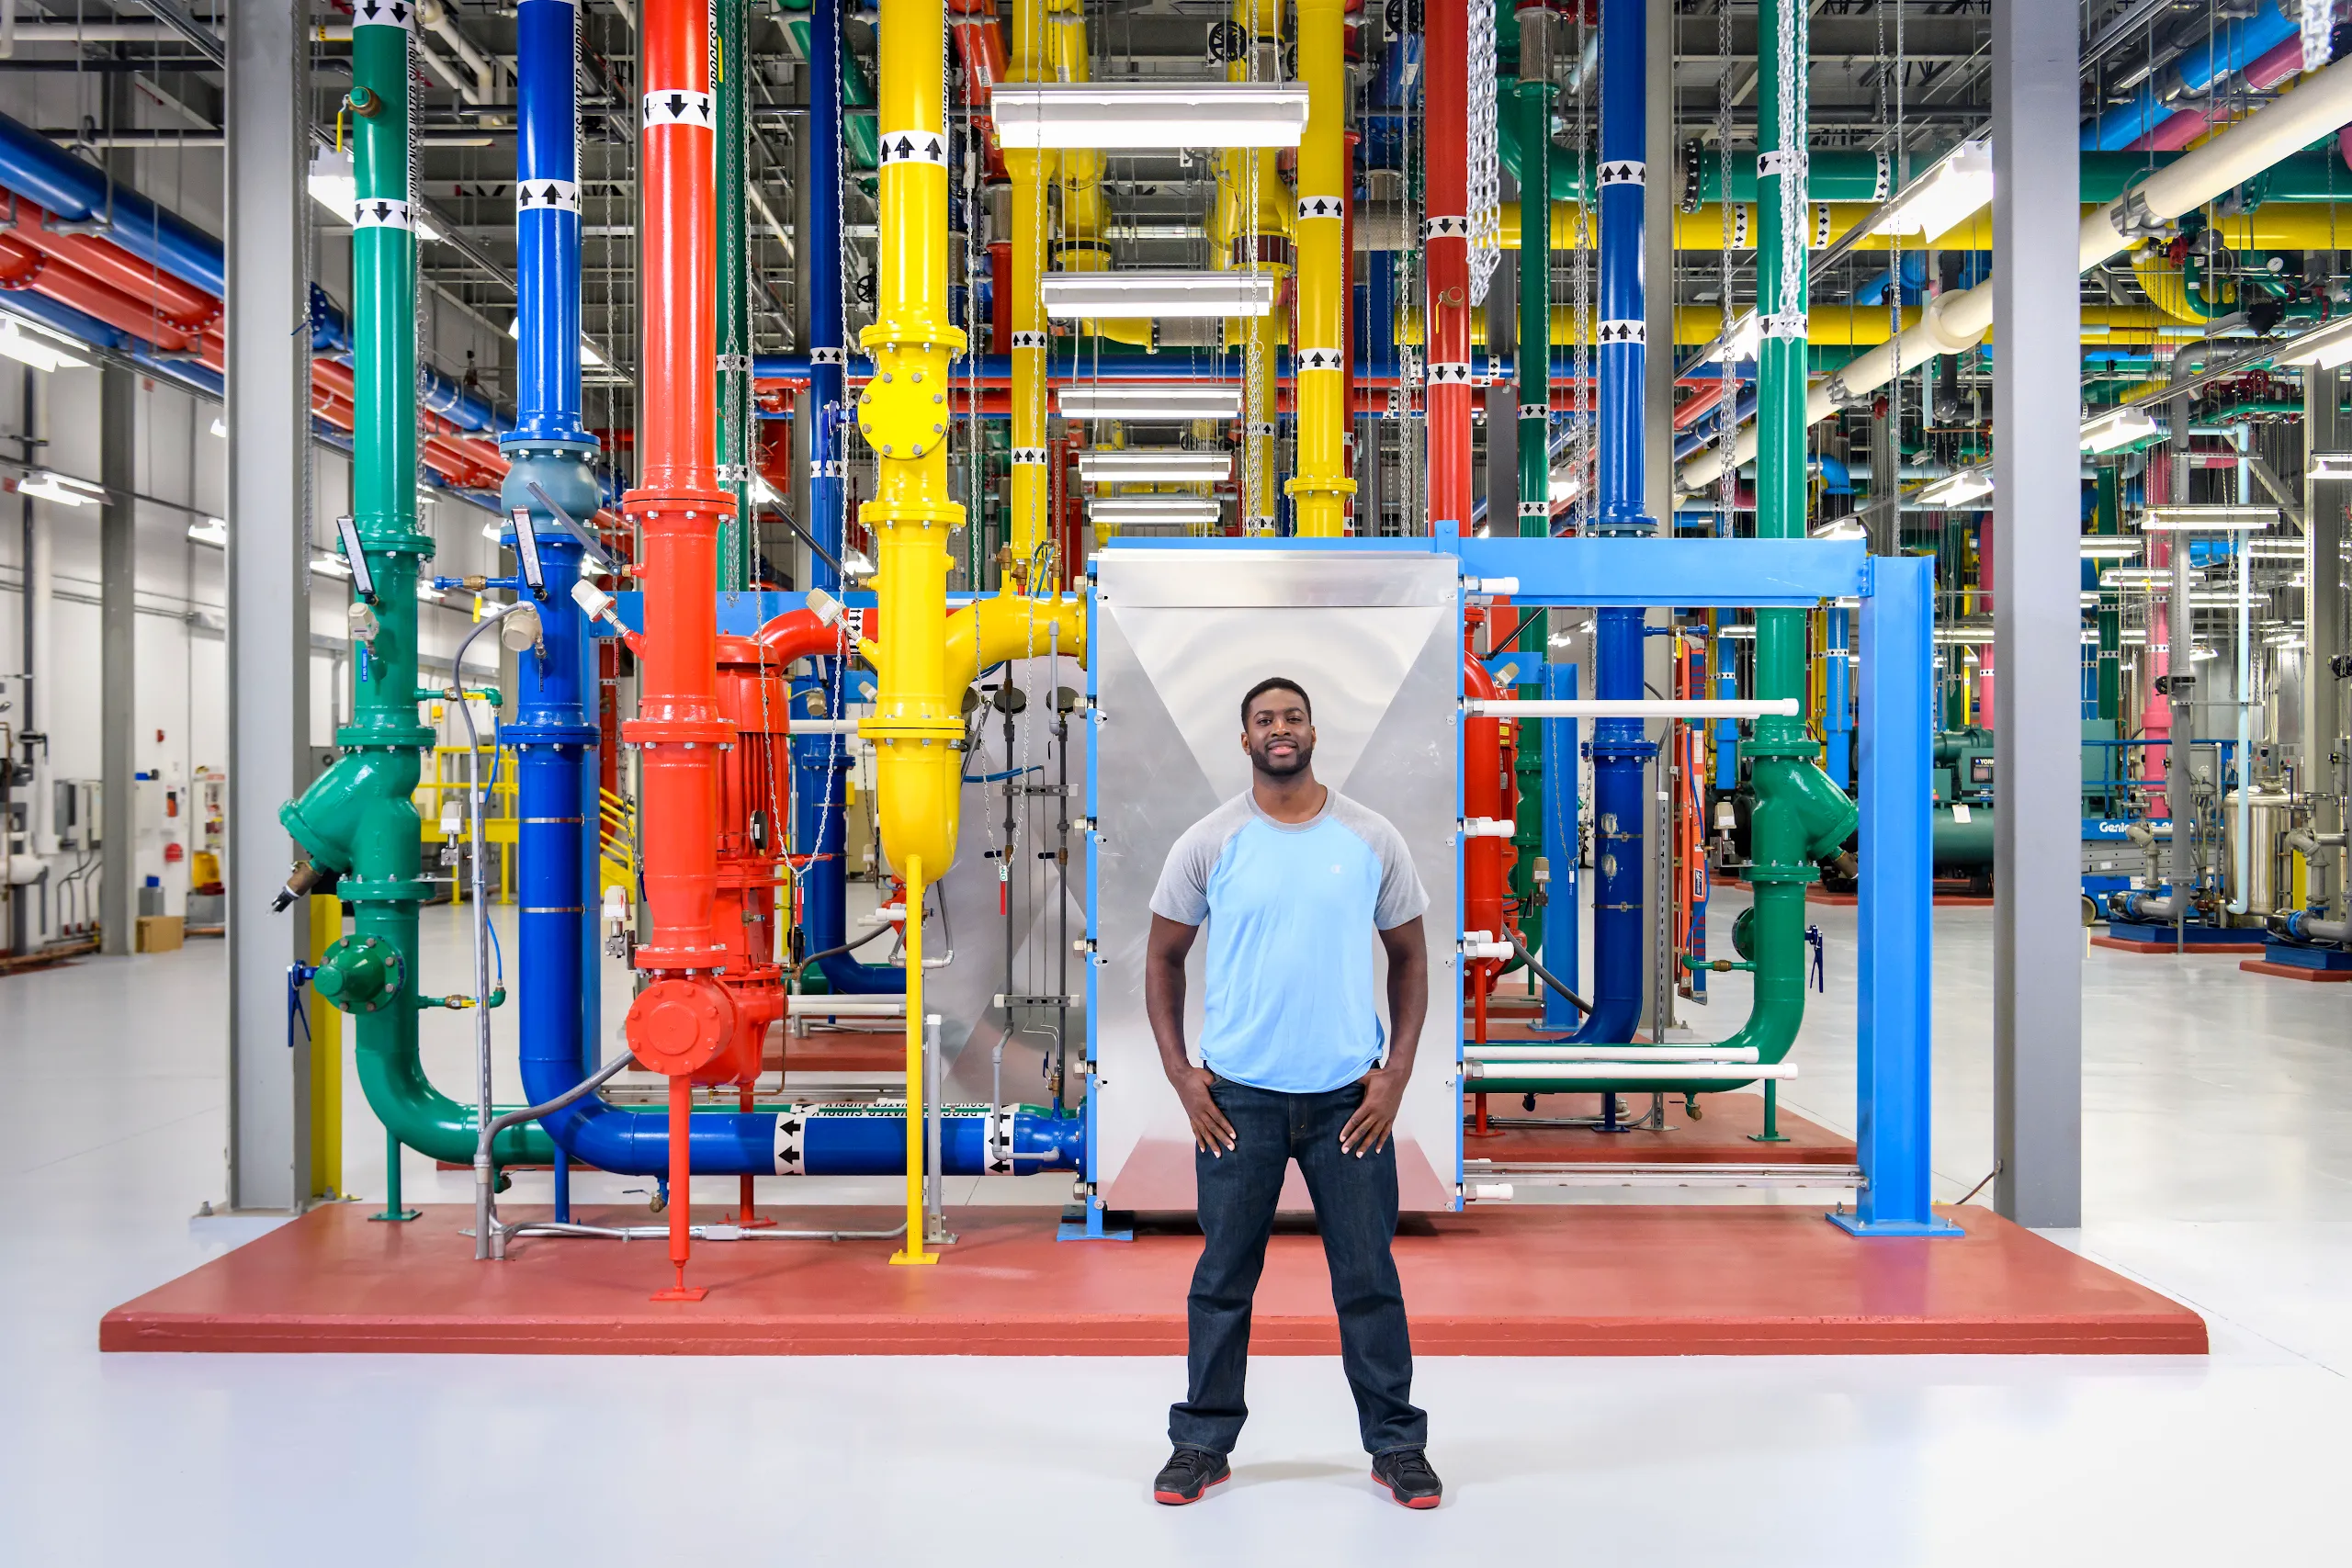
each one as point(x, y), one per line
point(1355, 1208)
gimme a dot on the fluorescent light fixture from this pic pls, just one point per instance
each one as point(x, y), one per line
point(1152, 400)
point(1956, 491)
point(764, 493)
point(1744, 630)
point(1143, 117)
point(1128, 510)
point(1975, 631)
point(2111, 546)
point(493, 532)
point(2274, 549)
point(1842, 528)
point(330, 566)
point(429, 595)
point(855, 565)
point(213, 531)
point(2200, 652)
point(2207, 519)
point(1076, 295)
point(589, 358)
point(1146, 466)
point(1747, 337)
point(62, 489)
point(2322, 348)
point(221, 428)
point(1960, 185)
point(26, 348)
point(2118, 428)
point(2329, 465)
point(334, 187)
point(2135, 576)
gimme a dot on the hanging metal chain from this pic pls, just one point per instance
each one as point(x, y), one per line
point(1486, 183)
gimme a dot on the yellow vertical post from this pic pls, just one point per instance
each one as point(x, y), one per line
point(1028, 528)
point(1319, 357)
point(912, 1252)
point(1251, 229)
point(326, 1059)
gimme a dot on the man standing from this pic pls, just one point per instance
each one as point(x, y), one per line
point(1293, 879)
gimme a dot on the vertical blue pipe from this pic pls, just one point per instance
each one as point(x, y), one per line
point(1837, 718)
point(1619, 749)
point(1563, 920)
point(1726, 730)
point(821, 763)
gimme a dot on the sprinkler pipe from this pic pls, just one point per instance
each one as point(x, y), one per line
point(356, 822)
point(1445, 241)
point(1319, 493)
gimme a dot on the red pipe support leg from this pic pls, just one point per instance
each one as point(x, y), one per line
point(1447, 230)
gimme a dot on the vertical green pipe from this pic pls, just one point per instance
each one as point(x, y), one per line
point(2107, 519)
point(1532, 103)
point(737, 454)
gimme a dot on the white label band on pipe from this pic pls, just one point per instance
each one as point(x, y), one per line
point(1786, 160)
point(675, 105)
point(1311, 207)
point(1535, 509)
point(384, 14)
point(1320, 359)
point(380, 212)
point(791, 1142)
point(1535, 411)
point(1442, 374)
point(1031, 340)
point(1029, 457)
point(1792, 325)
point(1445, 228)
point(1632, 332)
point(1624, 172)
point(547, 196)
point(913, 147)
point(828, 356)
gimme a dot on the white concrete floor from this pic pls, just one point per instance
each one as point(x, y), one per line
point(2219, 1145)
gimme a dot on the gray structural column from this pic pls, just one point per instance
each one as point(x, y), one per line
point(2037, 925)
point(2328, 749)
point(267, 233)
point(117, 654)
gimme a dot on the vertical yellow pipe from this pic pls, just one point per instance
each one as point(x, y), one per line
point(1252, 200)
point(326, 1059)
point(1031, 479)
point(1320, 355)
point(912, 1252)
point(917, 725)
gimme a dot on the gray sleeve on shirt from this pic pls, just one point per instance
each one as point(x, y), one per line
point(1183, 891)
point(1402, 897)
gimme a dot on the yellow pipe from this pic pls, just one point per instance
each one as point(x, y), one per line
point(1832, 326)
point(912, 1251)
point(1085, 213)
point(917, 722)
point(2166, 287)
point(988, 631)
point(1030, 533)
point(1321, 489)
point(2273, 226)
point(1253, 203)
point(326, 1060)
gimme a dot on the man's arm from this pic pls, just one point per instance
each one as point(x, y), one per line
point(1163, 1003)
point(1408, 1006)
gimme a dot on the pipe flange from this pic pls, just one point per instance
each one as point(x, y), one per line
point(1765, 875)
point(1793, 751)
point(360, 974)
point(678, 1027)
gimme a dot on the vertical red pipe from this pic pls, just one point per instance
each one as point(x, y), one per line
point(681, 1023)
point(1447, 250)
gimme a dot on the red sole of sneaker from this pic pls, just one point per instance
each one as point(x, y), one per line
point(1178, 1500)
point(1400, 1499)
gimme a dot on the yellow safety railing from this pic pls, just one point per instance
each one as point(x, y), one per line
point(447, 781)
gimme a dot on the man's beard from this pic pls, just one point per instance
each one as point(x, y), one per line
point(1283, 767)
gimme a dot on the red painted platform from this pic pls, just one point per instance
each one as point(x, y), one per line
point(1720, 1136)
point(1553, 1280)
point(2120, 945)
point(2294, 971)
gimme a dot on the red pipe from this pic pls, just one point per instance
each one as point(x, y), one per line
point(682, 1023)
point(2266, 72)
point(22, 266)
point(1447, 244)
point(1482, 796)
point(184, 304)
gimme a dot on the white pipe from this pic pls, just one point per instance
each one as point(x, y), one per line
point(1629, 708)
point(1605, 1052)
point(451, 77)
point(847, 1007)
point(796, 724)
point(435, 16)
point(1951, 323)
point(1630, 1072)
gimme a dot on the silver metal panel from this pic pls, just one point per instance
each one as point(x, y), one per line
point(1179, 636)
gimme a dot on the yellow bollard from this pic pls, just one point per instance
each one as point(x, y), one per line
point(326, 1059)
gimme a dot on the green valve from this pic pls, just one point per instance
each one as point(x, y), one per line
point(359, 973)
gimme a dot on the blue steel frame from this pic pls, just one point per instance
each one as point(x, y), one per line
point(1894, 1039)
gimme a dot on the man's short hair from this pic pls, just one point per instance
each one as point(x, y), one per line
point(1275, 684)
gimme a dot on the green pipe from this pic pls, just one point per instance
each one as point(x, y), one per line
point(737, 454)
point(356, 820)
point(1799, 817)
point(1534, 38)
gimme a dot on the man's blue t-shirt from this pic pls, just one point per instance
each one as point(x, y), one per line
point(1291, 909)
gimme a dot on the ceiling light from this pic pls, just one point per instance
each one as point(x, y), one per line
point(1154, 509)
point(428, 594)
point(1960, 184)
point(588, 354)
point(2201, 653)
point(1151, 400)
point(334, 187)
point(62, 489)
point(1074, 296)
point(1842, 528)
point(2135, 576)
point(493, 532)
point(331, 566)
point(2329, 465)
point(2274, 549)
point(1747, 335)
point(1169, 467)
point(213, 531)
point(2206, 519)
point(23, 346)
point(1955, 491)
point(855, 565)
point(2322, 348)
point(2118, 428)
point(1141, 117)
point(220, 428)
point(2109, 547)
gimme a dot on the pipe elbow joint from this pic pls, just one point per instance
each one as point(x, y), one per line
point(344, 807)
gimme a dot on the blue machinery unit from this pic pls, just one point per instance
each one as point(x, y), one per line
point(1896, 1031)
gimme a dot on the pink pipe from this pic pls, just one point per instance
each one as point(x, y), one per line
point(2186, 127)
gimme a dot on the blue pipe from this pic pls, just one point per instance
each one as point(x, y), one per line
point(330, 335)
point(1698, 436)
point(1837, 718)
point(66, 319)
point(33, 166)
point(1726, 730)
point(1619, 749)
point(1561, 916)
point(2233, 47)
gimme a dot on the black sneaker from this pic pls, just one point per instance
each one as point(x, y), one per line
point(1407, 1474)
point(1188, 1473)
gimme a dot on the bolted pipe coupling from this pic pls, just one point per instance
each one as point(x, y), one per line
point(678, 1027)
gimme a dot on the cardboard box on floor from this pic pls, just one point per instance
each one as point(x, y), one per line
point(159, 933)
